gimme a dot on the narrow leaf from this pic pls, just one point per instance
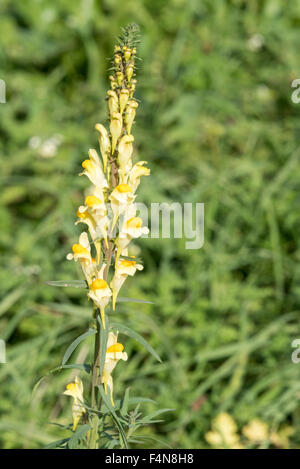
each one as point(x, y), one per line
point(125, 401)
point(148, 418)
point(56, 444)
point(114, 416)
point(156, 440)
point(126, 330)
point(103, 342)
point(128, 258)
point(78, 435)
point(140, 400)
point(74, 344)
point(67, 283)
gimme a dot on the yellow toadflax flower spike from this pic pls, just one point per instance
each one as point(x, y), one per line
point(114, 179)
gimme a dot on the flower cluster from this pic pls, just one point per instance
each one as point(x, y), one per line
point(224, 434)
point(109, 211)
point(115, 180)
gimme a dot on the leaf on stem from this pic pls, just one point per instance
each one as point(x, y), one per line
point(103, 342)
point(67, 283)
point(125, 402)
point(116, 419)
point(126, 330)
point(74, 344)
point(82, 367)
point(78, 435)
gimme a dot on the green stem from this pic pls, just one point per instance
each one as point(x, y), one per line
point(95, 382)
point(96, 362)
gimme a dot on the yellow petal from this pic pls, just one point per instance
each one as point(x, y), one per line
point(117, 347)
point(99, 284)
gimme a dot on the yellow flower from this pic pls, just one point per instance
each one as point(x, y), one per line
point(224, 432)
point(123, 99)
point(120, 77)
point(123, 269)
point(75, 390)
point(121, 197)
point(130, 114)
point(94, 214)
point(136, 173)
point(256, 431)
point(93, 170)
point(100, 293)
point(129, 72)
point(281, 438)
point(85, 217)
point(131, 228)
point(113, 103)
point(82, 253)
point(104, 143)
point(125, 150)
point(114, 353)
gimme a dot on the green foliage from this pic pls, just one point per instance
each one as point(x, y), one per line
point(217, 125)
point(130, 36)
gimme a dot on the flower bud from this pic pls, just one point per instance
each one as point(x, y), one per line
point(113, 83)
point(113, 103)
point(130, 115)
point(120, 78)
point(127, 54)
point(115, 129)
point(104, 143)
point(123, 99)
point(132, 87)
point(117, 59)
point(125, 149)
point(129, 72)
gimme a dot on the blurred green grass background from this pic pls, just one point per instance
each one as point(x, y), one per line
point(217, 125)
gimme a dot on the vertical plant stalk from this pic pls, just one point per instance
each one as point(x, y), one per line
point(96, 381)
point(95, 378)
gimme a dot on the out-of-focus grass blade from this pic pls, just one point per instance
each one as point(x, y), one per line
point(123, 299)
point(85, 367)
point(11, 299)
